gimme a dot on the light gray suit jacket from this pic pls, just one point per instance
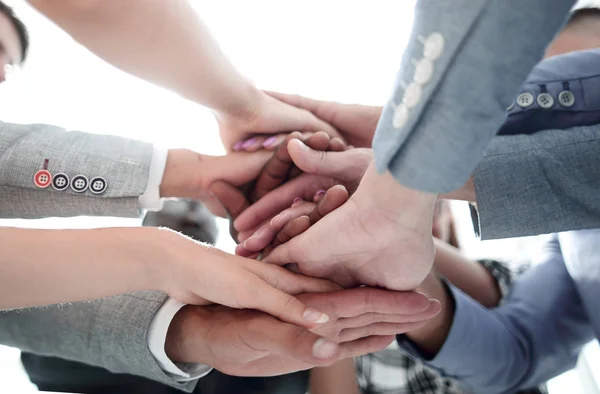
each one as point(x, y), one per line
point(111, 332)
point(123, 163)
point(462, 68)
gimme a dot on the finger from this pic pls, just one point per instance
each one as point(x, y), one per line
point(233, 201)
point(262, 295)
point(346, 165)
point(355, 302)
point(281, 198)
point(297, 101)
point(380, 328)
point(364, 346)
point(290, 230)
point(241, 251)
point(318, 195)
point(337, 145)
point(341, 116)
point(290, 341)
point(290, 214)
point(261, 238)
point(318, 141)
point(369, 318)
point(274, 141)
point(276, 170)
point(290, 282)
point(236, 168)
point(333, 198)
point(281, 255)
point(253, 144)
point(267, 233)
point(294, 172)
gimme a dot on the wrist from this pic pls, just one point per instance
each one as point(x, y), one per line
point(245, 109)
point(183, 175)
point(431, 337)
point(383, 195)
point(185, 336)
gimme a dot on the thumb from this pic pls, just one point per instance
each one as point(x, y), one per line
point(238, 168)
point(281, 255)
point(349, 165)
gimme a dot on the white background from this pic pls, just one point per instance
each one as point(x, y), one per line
point(337, 50)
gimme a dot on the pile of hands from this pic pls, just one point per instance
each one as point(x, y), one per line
point(306, 288)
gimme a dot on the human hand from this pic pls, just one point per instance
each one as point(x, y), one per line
point(292, 222)
point(355, 123)
point(322, 171)
point(199, 274)
point(265, 124)
point(380, 237)
point(252, 343)
point(279, 169)
point(189, 174)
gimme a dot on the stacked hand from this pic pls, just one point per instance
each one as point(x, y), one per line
point(278, 188)
point(251, 343)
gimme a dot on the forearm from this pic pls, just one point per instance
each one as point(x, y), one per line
point(338, 378)
point(163, 42)
point(469, 276)
point(40, 267)
point(533, 336)
point(432, 336)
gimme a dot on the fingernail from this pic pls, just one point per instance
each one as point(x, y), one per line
point(297, 200)
point(270, 142)
point(275, 219)
point(238, 145)
point(320, 193)
point(314, 316)
point(253, 236)
point(324, 348)
point(248, 143)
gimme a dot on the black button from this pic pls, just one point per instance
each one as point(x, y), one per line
point(79, 184)
point(98, 185)
point(60, 182)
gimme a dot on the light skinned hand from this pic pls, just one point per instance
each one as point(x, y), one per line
point(355, 123)
point(252, 343)
point(269, 117)
point(322, 170)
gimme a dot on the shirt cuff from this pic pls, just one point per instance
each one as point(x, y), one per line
point(151, 200)
point(157, 337)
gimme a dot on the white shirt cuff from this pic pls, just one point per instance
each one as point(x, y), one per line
point(151, 200)
point(157, 337)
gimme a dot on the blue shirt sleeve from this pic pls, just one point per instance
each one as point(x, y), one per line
point(535, 335)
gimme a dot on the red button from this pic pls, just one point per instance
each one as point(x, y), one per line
point(42, 179)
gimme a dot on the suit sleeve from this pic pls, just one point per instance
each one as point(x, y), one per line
point(88, 174)
point(111, 333)
point(461, 69)
point(540, 183)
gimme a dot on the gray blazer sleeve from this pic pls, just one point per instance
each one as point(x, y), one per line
point(109, 333)
point(539, 183)
point(463, 66)
point(124, 164)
